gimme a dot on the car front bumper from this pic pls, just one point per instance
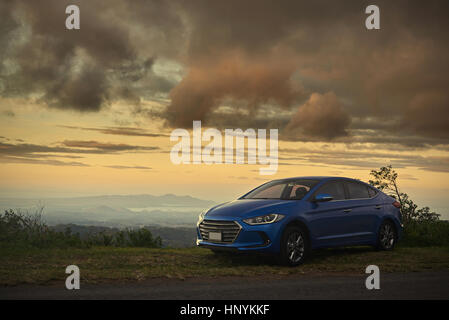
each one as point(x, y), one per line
point(260, 238)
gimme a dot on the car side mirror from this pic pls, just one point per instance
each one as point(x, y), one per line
point(323, 197)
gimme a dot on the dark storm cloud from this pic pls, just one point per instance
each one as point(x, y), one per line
point(68, 147)
point(363, 159)
point(42, 154)
point(399, 138)
point(105, 147)
point(51, 162)
point(27, 149)
point(428, 114)
point(389, 84)
point(321, 116)
point(122, 131)
point(8, 113)
point(128, 167)
point(380, 74)
point(84, 69)
point(232, 75)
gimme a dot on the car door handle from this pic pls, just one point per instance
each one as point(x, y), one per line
point(378, 207)
point(347, 210)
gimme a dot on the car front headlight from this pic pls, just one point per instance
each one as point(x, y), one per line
point(265, 219)
point(202, 215)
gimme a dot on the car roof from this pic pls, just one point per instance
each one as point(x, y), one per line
point(319, 178)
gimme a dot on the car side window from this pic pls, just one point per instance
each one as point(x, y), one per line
point(272, 192)
point(298, 191)
point(372, 193)
point(335, 189)
point(357, 190)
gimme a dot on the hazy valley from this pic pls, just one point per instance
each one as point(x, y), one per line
point(169, 216)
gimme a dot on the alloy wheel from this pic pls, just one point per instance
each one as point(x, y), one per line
point(295, 247)
point(387, 236)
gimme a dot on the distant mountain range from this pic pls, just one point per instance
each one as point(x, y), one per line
point(115, 210)
point(132, 201)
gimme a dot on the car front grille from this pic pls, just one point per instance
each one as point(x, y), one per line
point(229, 230)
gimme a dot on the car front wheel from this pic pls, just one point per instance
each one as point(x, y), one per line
point(294, 246)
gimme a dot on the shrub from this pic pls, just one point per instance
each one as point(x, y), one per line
point(143, 238)
point(426, 233)
point(24, 229)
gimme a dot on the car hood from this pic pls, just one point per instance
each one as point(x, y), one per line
point(250, 208)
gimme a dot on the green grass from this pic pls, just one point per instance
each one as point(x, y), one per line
point(106, 264)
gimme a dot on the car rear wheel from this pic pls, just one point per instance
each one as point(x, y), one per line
point(387, 236)
point(294, 246)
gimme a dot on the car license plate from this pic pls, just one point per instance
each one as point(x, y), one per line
point(215, 236)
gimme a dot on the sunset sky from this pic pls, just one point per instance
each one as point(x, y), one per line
point(90, 111)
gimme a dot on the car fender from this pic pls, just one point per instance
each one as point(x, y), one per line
point(292, 220)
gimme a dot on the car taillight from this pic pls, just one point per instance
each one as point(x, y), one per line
point(397, 204)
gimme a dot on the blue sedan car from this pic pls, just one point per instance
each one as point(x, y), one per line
point(290, 217)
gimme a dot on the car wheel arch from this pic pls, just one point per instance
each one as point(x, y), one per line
point(301, 224)
point(391, 220)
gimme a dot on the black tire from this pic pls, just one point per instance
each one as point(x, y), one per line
point(295, 246)
point(387, 236)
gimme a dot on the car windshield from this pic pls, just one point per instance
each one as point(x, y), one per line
point(283, 190)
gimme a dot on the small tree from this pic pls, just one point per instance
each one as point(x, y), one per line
point(386, 180)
